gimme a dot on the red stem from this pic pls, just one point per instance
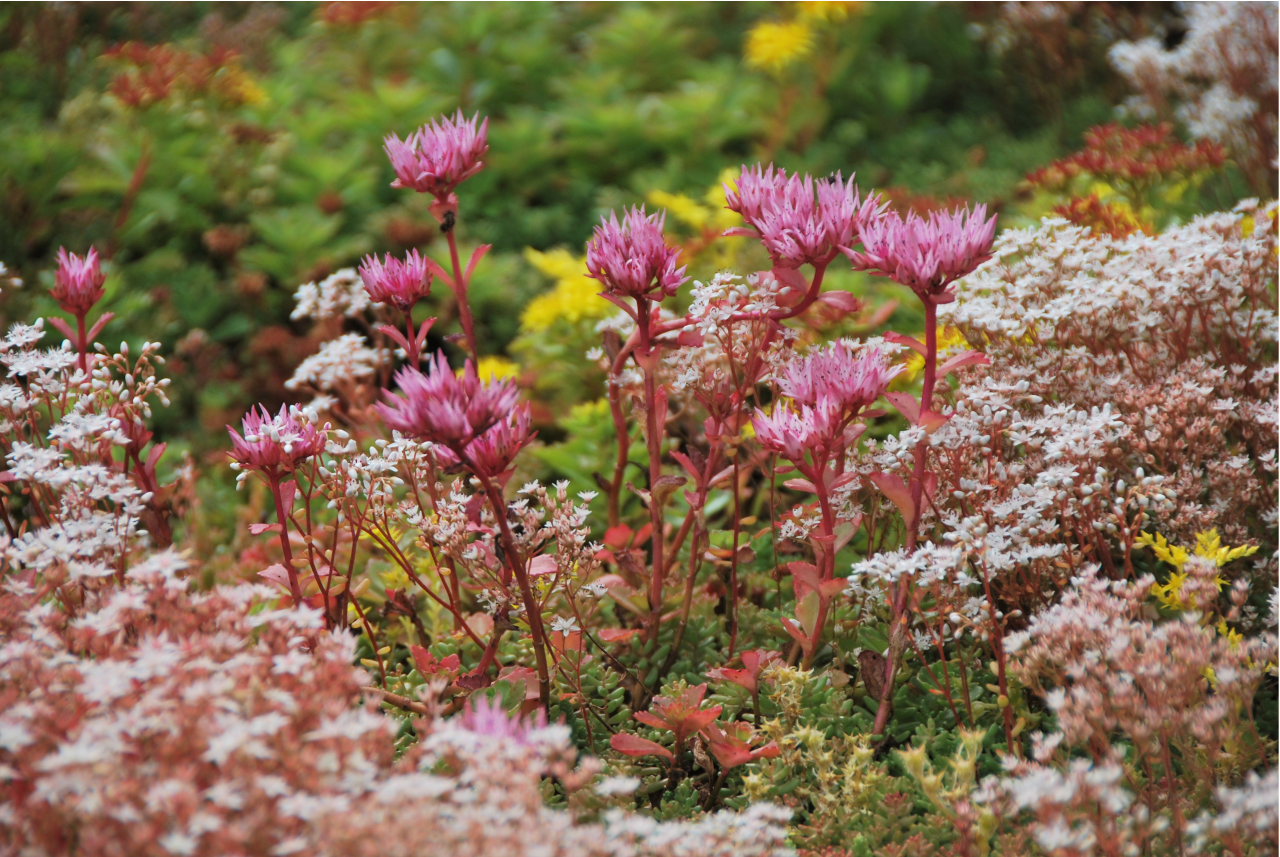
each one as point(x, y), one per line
point(460, 292)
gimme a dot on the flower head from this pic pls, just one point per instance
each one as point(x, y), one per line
point(797, 219)
point(440, 155)
point(401, 284)
point(632, 259)
point(444, 408)
point(793, 431)
point(926, 255)
point(835, 373)
point(274, 444)
point(77, 285)
point(773, 46)
point(491, 453)
point(487, 717)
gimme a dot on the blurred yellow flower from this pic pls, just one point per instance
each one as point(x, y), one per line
point(574, 298)
point(828, 10)
point(773, 46)
point(493, 366)
point(1208, 545)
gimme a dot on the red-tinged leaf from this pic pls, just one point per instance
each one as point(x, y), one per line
point(807, 609)
point(642, 536)
point(893, 487)
point(395, 336)
point(476, 255)
point(8, 476)
point(617, 635)
point(686, 464)
point(288, 490)
point(768, 751)
point(909, 341)
point(740, 232)
point(799, 636)
point(542, 565)
point(619, 302)
point(649, 719)
point(63, 328)
point(422, 331)
point(882, 314)
point(964, 358)
point(845, 531)
point(277, 574)
point(452, 663)
point(831, 588)
point(634, 745)
point(438, 272)
point(804, 577)
point(98, 325)
point(699, 719)
point(617, 536)
point(930, 485)
point(843, 301)
point(906, 405)
point(742, 678)
point(259, 529)
point(153, 457)
point(801, 485)
point(425, 662)
point(932, 421)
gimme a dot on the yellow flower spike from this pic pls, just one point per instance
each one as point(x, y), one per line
point(1164, 551)
point(772, 46)
point(1233, 636)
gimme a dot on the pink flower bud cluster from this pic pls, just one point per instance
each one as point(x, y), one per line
point(632, 259)
point(440, 155)
point(401, 284)
point(799, 220)
point(77, 284)
point(826, 391)
point(271, 445)
point(477, 423)
point(926, 255)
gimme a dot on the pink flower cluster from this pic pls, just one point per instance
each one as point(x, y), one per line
point(926, 255)
point(77, 284)
point(401, 284)
point(271, 445)
point(476, 422)
point(799, 220)
point(440, 155)
point(631, 259)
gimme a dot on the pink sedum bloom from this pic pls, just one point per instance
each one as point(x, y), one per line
point(493, 452)
point(792, 431)
point(799, 220)
point(440, 155)
point(926, 255)
point(444, 408)
point(401, 284)
point(487, 718)
point(271, 445)
point(77, 284)
point(632, 259)
point(835, 373)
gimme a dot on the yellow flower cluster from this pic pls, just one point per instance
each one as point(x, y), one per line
point(772, 45)
point(574, 298)
point(493, 366)
point(1208, 545)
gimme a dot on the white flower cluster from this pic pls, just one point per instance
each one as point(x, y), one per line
point(340, 294)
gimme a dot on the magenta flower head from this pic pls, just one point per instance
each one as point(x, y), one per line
point(835, 374)
point(926, 255)
point(77, 285)
point(446, 409)
point(401, 284)
point(440, 155)
point(632, 259)
point(793, 430)
point(797, 219)
point(492, 453)
point(487, 718)
point(272, 445)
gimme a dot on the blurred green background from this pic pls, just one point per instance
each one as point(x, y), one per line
point(222, 154)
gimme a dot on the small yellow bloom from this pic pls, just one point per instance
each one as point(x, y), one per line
point(574, 298)
point(773, 46)
point(1208, 546)
point(1233, 636)
point(828, 10)
point(491, 366)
